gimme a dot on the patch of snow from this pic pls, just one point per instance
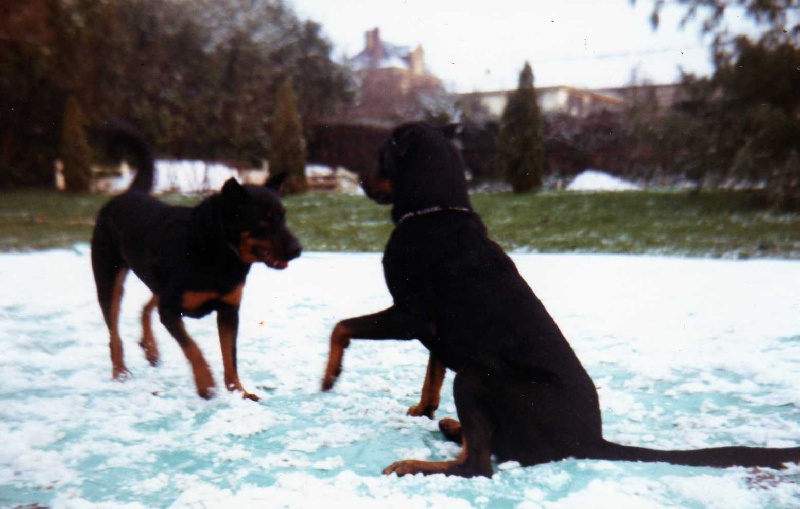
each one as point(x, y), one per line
point(596, 180)
point(198, 177)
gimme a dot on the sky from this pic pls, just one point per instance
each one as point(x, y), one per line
point(480, 46)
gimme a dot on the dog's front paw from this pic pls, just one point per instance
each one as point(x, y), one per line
point(404, 467)
point(250, 396)
point(329, 380)
point(332, 372)
point(237, 386)
point(121, 374)
point(422, 410)
point(340, 339)
point(207, 392)
point(151, 353)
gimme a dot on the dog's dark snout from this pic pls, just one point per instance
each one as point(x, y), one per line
point(364, 182)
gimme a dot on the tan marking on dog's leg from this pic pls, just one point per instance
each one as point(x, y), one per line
point(228, 324)
point(411, 467)
point(119, 370)
point(340, 339)
point(203, 379)
point(148, 342)
point(451, 429)
point(431, 389)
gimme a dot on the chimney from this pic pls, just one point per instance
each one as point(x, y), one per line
point(373, 46)
point(416, 61)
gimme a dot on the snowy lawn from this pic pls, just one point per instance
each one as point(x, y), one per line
point(685, 353)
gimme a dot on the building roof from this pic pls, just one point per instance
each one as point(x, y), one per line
point(378, 54)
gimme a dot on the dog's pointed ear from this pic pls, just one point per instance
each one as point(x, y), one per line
point(451, 130)
point(275, 182)
point(404, 139)
point(233, 191)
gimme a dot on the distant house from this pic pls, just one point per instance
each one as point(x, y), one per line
point(394, 86)
point(575, 102)
point(660, 97)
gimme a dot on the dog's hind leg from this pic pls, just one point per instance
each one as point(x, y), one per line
point(148, 342)
point(120, 371)
point(202, 373)
point(110, 297)
point(109, 276)
point(451, 429)
point(473, 407)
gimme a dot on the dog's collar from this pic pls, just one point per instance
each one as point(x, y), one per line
point(429, 210)
point(228, 243)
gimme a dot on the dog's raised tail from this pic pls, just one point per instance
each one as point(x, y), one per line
point(720, 457)
point(123, 141)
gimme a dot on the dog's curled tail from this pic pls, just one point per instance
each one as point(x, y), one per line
point(720, 457)
point(123, 141)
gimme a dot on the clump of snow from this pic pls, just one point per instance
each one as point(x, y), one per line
point(596, 180)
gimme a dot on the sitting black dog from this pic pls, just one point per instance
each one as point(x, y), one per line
point(194, 260)
point(520, 391)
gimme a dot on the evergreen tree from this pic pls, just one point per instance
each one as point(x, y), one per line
point(743, 123)
point(75, 152)
point(288, 147)
point(520, 146)
point(198, 77)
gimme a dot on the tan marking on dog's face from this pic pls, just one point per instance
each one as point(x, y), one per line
point(378, 188)
point(193, 300)
point(250, 248)
point(382, 185)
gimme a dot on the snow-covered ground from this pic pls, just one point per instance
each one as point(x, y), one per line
point(685, 353)
point(595, 180)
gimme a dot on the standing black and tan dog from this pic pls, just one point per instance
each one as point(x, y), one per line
point(194, 260)
point(520, 391)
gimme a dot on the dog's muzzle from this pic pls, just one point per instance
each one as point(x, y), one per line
point(377, 189)
point(275, 254)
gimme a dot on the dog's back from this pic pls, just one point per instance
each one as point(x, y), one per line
point(130, 224)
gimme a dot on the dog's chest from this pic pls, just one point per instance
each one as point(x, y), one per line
point(201, 302)
point(405, 268)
